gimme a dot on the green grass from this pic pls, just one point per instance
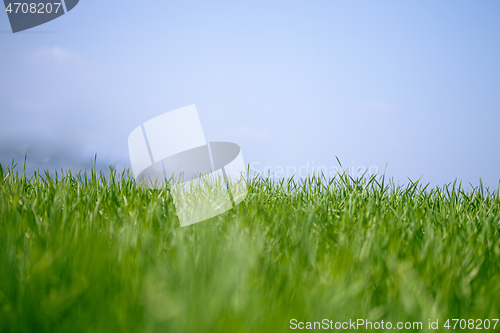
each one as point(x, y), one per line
point(89, 253)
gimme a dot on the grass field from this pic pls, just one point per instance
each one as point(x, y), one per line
point(89, 253)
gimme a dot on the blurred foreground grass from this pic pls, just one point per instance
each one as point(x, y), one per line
point(89, 253)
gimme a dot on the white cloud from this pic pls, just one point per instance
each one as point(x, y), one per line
point(377, 107)
point(53, 151)
point(92, 137)
point(246, 133)
point(62, 61)
point(26, 105)
point(54, 55)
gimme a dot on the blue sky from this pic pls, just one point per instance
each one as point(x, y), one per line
point(411, 85)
